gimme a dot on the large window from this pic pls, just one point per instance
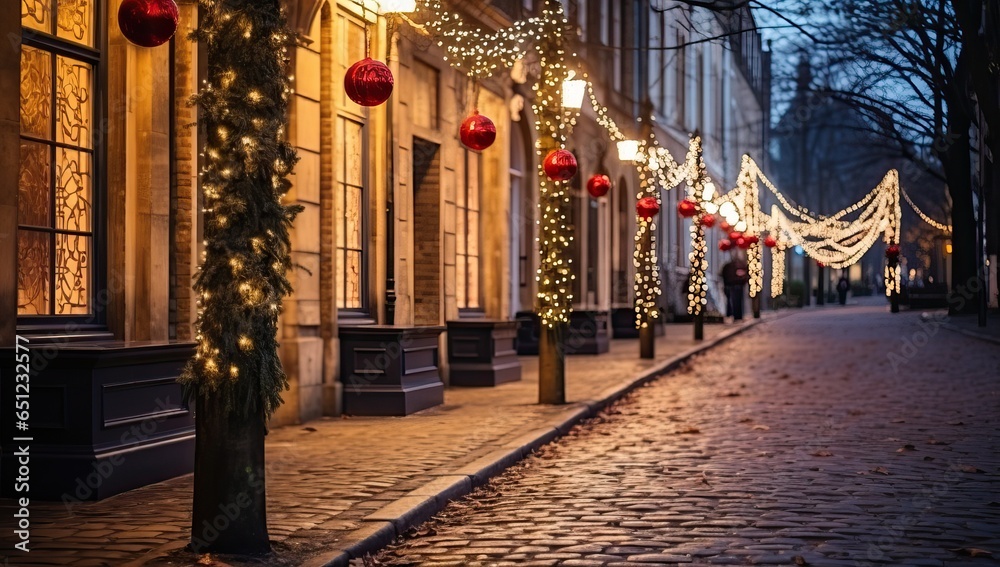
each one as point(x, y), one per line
point(58, 158)
point(467, 255)
point(350, 196)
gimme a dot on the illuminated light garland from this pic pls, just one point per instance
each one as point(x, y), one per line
point(698, 179)
point(777, 270)
point(923, 216)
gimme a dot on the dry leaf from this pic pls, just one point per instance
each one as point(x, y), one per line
point(936, 442)
point(689, 430)
point(822, 453)
point(970, 469)
point(799, 560)
point(746, 420)
point(880, 470)
point(972, 552)
point(760, 427)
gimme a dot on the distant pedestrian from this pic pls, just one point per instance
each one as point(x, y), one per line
point(735, 276)
point(842, 286)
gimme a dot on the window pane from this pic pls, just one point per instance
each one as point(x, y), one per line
point(353, 152)
point(36, 93)
point(73, 190)
point(353, 218)
point(354, 280)
point(473, 268)
point(424, 108)
point(74, 102)
point(33, 259)
point(33, 186)
point(461, 272)
point(341, 262)
point(72, 274)
point(76, 21)
point(37, 15)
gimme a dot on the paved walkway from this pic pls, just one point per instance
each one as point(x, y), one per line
point(836, 437)
point(335, 482)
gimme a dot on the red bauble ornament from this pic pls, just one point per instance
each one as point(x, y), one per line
point(734, 236)
point(478, 132)
point(687, 208)
point(743, 243)
point(148, 23)
point(598, 185)
point(560, 165)
point(647, 207)
point(770, 242)
point(368, 82)
point(725, 227)
point(820, 264)
point(707, 220)
point(725, 245)
point(892, 252)
point(753, 239)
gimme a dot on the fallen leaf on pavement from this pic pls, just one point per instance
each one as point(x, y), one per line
point(760, 427)
point(689, 430)
point(970, 469)
point(936, 442)
point(972, 552)
point(880, 470)
point(799, 560)
point(822, 453)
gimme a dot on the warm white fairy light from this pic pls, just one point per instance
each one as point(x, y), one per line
point(697, 186)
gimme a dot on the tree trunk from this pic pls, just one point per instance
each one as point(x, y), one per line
point(230, 511)
point(958, 171)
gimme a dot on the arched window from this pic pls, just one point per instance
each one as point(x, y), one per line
point(58, 191)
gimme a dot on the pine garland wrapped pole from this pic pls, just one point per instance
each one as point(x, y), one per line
point(236, 378)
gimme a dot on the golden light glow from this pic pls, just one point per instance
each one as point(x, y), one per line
point(628, 150)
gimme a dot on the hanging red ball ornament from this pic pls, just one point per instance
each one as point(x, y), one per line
point(707, 220)
point(647, 207)
point(478, 132)
point(892, 252)
point(560, 165)
point(820, 264)
point(770, 242)
point(598, 185)
point(368, 82)
point(148, 23)
point(752, 239)
point(734, 235)
point(725, 227)
point(725, 244)
point(687, 208)
point(743, 243)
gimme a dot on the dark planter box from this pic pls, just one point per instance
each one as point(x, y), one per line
point(589, 333)
point(389, 370)
point(527, 333)
point(481, 353)
point(623, 324)
point(104, 418)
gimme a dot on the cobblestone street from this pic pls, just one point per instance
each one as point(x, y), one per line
point(839, 436)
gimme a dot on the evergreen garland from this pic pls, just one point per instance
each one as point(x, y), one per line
point(242, 280)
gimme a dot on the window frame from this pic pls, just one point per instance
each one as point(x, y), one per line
point(479, 310)
point(96, 320)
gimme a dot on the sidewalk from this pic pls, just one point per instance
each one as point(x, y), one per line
point(342, 487)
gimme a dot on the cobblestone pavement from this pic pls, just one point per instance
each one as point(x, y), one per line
point(835, 437)
point(325, 478)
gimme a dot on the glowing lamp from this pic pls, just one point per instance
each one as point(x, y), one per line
point(573, 91)
point(628, 150)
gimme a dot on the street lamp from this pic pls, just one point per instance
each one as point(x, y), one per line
point(573, 91)
point(628, 150)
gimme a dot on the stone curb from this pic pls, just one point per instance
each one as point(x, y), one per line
point(383, 526)
point(973, 334)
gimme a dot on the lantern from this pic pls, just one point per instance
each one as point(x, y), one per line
point(148, 23)
point(478, 132)
point(598, 185)
point(647, 207)
point(368, 82)
point(560, 165)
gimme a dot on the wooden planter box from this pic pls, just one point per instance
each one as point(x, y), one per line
point(390, 370)
point(481, 353)
point(104, 418)
point(623, 324)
